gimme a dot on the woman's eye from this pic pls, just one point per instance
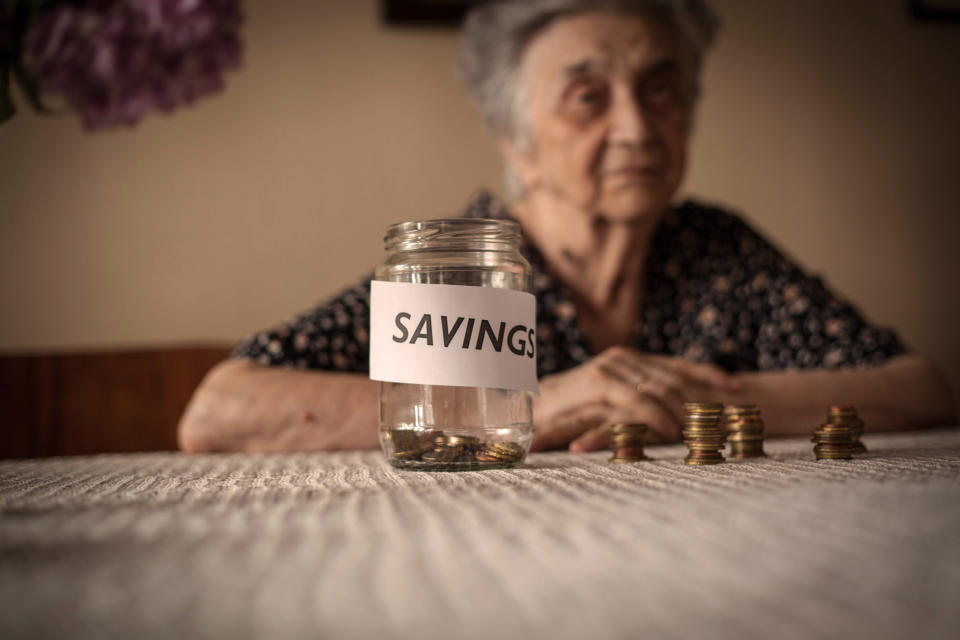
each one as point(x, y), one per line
point(657, 88)
point(659, 91)
point(588, 98)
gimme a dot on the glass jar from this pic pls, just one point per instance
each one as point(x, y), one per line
point(455, 428)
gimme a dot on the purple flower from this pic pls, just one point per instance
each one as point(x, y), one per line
point(113, 61)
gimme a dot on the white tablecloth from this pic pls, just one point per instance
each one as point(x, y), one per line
point(339, 545)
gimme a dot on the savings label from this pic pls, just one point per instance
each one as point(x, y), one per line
point(445, 334)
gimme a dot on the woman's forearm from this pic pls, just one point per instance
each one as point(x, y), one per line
point(243, 406)
point(907, 392)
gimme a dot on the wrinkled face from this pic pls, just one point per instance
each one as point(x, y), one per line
point(607, 108)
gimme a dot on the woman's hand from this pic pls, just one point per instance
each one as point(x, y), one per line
point(577, 407)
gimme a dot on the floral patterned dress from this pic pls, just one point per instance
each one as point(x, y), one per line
point(716, 292)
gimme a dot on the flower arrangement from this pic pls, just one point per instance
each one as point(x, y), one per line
point(113, 61)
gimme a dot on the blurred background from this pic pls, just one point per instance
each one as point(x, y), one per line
point(132, 259)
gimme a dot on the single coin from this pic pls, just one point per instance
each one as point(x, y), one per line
point(507, 447)
point(457, 440)
point(842, 410)
point(741, 408)
point(442, 454)
point(703, 405)
point(628, 427)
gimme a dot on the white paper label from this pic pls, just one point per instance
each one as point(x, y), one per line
point(455, 335)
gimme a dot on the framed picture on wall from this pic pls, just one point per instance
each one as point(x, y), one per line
point(443, 13)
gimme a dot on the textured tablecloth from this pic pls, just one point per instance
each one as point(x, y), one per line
point(341, 546)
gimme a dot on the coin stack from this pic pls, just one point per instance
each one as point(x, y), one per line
point(499, 451)
point(406, 444)
point(452, 448)
point(626, 440)
point(744, 431)
point(702, 432)
point(832, 442)
point(848, 416)
point(435, 450)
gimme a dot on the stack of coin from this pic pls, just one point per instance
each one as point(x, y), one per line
point(452, 448)
point(626, 440)
point(406, 444)
point(832, 442)
point(848, 416)
point(499, 451)
point(702, 432)
point(435, 450)
point(744, 431)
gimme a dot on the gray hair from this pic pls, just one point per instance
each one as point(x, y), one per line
point(495, 35)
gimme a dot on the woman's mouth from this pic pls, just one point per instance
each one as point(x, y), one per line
point(645, 171)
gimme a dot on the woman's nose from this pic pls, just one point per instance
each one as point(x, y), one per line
point(628, 120)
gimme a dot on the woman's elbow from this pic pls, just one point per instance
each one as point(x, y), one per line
point(195, 432)
point(947, 408)
point(932, 388)
point(191, 436)
point(201, 427)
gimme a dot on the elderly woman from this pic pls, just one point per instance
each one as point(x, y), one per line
point(642, 303)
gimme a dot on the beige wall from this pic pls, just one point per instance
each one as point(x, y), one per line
point(832, 125)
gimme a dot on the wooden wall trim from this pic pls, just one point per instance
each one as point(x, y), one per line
point(98, 402)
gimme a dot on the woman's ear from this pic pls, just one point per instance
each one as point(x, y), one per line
point(521, 163)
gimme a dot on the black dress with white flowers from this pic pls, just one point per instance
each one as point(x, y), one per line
point(716, 291)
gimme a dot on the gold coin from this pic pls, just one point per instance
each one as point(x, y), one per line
point(628, 427)
point(741, 408)
point(703, 407)
point(442, 454)
point(841, 410)
point(457, 440)
point(506, 447)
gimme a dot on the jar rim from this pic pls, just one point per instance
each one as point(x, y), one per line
point(454, 232)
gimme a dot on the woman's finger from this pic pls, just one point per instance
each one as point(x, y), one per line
point(593, 440)
point(647, 409)
point(705, 374)
point(598, 437)
point(639, 363)
point(617, 386)
point(645, 377)
point(563, 429)
point(651, 380)
point(567, 393)
point(668, 398)
point(662, 427)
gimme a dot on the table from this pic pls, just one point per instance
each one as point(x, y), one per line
point(339, 545)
